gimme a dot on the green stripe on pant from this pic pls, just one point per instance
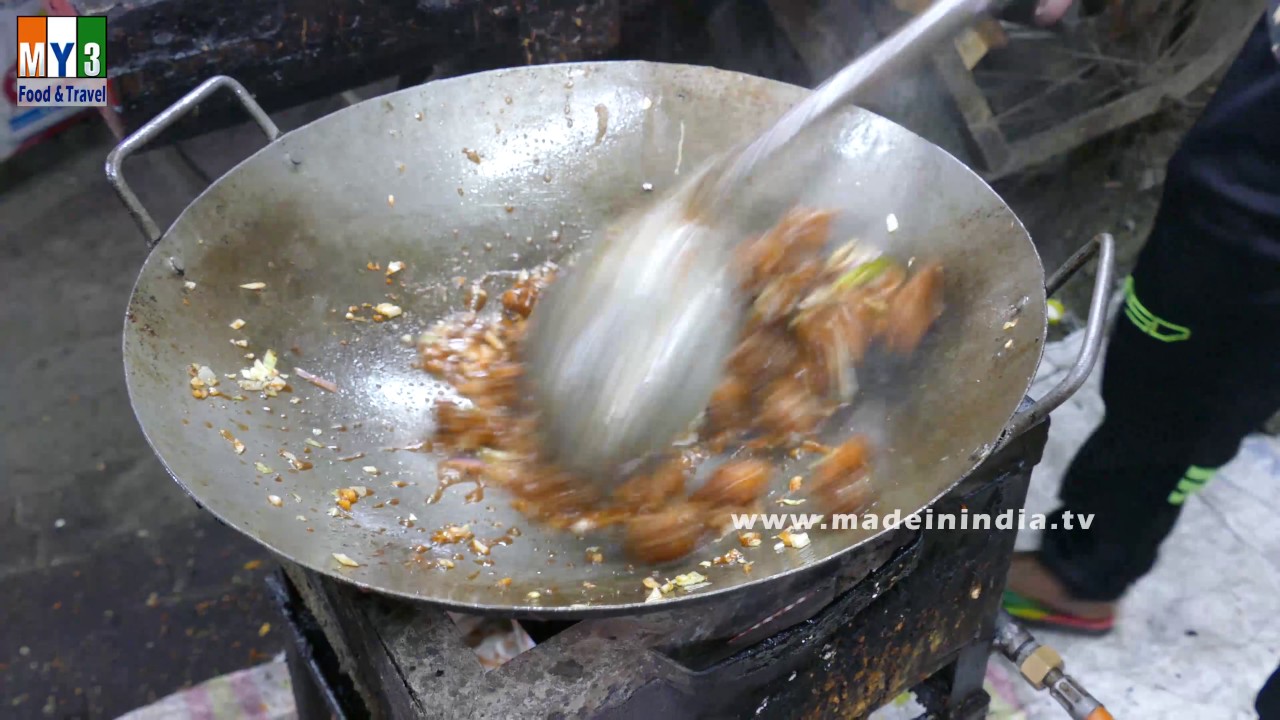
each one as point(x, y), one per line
point(1193, 480)
point(1148, 322)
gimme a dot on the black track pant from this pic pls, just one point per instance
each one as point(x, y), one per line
point(1194, 364)
point(1268, 704)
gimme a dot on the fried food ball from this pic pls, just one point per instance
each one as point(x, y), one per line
point(650, 491)
point(737, 482)
point(665, 535)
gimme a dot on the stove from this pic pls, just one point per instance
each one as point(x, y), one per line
point(912, 610)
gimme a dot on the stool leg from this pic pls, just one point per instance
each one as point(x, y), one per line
point(955, 692)
point(307, 697)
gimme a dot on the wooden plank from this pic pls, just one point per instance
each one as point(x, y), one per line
point(983, 129)
point(1131, 108)
point(972, 44)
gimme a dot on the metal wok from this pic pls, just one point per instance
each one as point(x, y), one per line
point(561, 151)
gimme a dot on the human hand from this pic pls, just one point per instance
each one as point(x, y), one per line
point(1049, 12)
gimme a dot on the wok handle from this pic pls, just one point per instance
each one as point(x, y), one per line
point(1102, 246)
point(157, 125)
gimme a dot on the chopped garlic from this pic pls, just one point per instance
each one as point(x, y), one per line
point(891, 222)
point(388, 310)
point(1011, 325)
point(189, 285)
point(262, 376)
point(361, 490)
point(654, 596)
point(729, 558)
point(394, 267)
point(334, 512)
point(294, 462)
point(237, 324)
point(453, 534)
point(479, 547)
point(313, 443)
point(275, 500)
point(689, 578)
point(371, 470)
point(533, 595)
point(254, 285)
point(391, 201)
point(794, 540)
point(750, 539)
point(790, 501)
point(237, 446)
point(445, 564)
point(344, 560)
point(263, 468)
point(796, 483)
point(650, 583)
point(240, 343)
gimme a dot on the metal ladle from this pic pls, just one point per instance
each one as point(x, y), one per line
point(625, 350)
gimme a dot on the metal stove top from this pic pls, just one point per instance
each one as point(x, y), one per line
point(913, 610)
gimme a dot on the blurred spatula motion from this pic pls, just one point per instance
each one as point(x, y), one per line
point(627, 348)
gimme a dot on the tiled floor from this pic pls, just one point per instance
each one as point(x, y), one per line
point(1198, 636)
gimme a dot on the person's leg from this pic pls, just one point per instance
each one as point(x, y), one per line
point(1268, 702)
point(1194, 364)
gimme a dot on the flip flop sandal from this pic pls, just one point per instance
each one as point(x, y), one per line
point(1034, 613)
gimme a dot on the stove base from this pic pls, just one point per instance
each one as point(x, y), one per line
point(844, 645)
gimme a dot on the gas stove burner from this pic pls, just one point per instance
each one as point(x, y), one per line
point(913, 610)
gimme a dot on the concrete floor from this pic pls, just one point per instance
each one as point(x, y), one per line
point(115, 588)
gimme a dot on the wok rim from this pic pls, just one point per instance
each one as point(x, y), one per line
point(672, 602)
